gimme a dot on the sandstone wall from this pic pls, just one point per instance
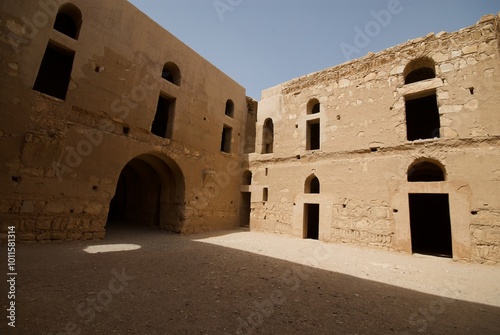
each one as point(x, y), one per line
point(61, 159)
point(364, 153)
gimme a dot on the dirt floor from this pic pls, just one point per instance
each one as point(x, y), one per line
point(241, 282)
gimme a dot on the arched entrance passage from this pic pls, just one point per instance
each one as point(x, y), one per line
point(149, 192)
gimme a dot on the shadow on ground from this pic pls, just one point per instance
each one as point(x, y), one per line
point(173, 285)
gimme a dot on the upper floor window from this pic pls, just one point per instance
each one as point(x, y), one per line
point(268, 137)
point(171, 73)
point(163, 122)
point(313, 106)
point(247, 178)
point(69, 20)
point(420, 69)
point(313, 134)
point(229, 108)
point(422, 117)
point(227, 137)
point(54, 74)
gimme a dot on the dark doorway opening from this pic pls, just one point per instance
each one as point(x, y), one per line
point(430, 224)
point(311, 218)
point(313, 135)
point(55, 72)
point(422, 118)
point(149, 192)
point(137, 196)
point(245, 208)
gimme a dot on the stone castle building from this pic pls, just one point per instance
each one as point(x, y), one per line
point(108, 118)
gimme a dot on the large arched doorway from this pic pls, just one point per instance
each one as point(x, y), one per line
point(149, 192)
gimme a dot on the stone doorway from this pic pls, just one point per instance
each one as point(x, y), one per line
point(245, 208)
point(430, 224)
point(149, 192)
point(311, 221)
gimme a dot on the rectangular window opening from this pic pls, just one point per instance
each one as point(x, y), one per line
point(227, 135)
point(422, 118)
point(313, 135)
point(162, 123)
point(54, 73)
point(265, 194)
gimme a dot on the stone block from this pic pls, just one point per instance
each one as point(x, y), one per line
point(96, 226)
point(87, 236)
point(469, 49)
point(344, 83)
point(85, 224)
point(73, 236)
point(99, 235)
point(472, 105)
point(57, 224)
point(58, 235)
point(29, 225)
point(55, 207)
point(27, 207)
point(43, 236)
point(397, 70)
point(93, 208)
point(446, 67)
point(440, 57)
point(43, 224)
point(450, 109)
point(4, 207)
point(489, 73)
point(27, 237)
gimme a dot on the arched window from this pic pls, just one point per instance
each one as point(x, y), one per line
point(268, 137)
point(420, 69)
point(171, 73)
point(312, 185)
point(426, 171)
point(69, 20)
point(313, 106)
point(247, 178)
point(229, 108)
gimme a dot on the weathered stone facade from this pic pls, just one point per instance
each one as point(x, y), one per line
point(347, 128)
point(108, 117)
point(62, 152)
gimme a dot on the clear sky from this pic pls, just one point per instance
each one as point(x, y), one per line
point(262, 43)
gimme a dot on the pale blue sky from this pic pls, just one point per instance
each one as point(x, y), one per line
point(261, 43)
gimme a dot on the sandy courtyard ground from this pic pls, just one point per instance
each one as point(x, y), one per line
point(145, 281)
